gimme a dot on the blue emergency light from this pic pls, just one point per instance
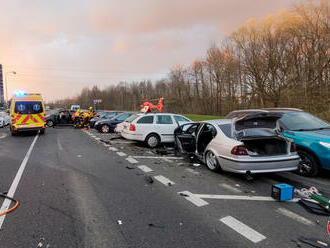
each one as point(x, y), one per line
point(19, 93)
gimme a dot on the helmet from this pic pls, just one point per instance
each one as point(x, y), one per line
point(90, 108)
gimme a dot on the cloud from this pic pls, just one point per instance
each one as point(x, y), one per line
point(58, 47)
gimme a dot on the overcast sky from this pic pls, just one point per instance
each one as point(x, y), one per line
point(58, 47)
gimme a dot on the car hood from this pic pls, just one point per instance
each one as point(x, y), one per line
point(317, 135)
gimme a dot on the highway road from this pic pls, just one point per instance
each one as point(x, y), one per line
point(75, 190)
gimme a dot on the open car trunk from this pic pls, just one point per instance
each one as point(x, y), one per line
point(266, 146)
point(259, 135)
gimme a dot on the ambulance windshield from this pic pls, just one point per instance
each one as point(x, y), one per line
point(25, 107)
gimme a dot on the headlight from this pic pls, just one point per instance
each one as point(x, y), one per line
point(327, 145)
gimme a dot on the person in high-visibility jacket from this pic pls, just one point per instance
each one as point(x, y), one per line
point(77, 117)
point(91, 112)
point(85, 117)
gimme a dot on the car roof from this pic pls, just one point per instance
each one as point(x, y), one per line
point(218, 121)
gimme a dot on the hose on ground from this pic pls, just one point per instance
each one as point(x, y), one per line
point(11, 209)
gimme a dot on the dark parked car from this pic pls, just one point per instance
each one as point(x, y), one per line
point(103, 116)
point(59, 117)
point(109, 125)
point(310, 134)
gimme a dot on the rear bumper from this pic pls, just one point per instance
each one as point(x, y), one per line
point(259, 166)
point(132, 136)
point(28, 129)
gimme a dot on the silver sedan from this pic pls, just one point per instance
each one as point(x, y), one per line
point(246, 145)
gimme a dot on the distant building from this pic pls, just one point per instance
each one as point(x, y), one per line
point(2, 99)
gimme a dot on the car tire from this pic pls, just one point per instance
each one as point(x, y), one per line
point(42, 131)
point(105, 129)
point(308, 165)
point(152, 140)
point(212, 162)
point(50, 123)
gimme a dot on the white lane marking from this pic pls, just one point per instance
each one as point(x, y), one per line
point(60, 147)
point(192, 171)
point(97, 138)
point(114, 149)
point(13, 187)
point(229, 187)
point(106, 145)
point(243, 229)
point(167, 160)
point(122, 142)
point(294, 216)
point(132, 160)
point(157, 157)
point(193, 199)
point(145, 168)
point(164, 180)
point(241, 197)
point(121, 154)
point(3, 136)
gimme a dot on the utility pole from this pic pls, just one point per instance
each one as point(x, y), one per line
point(2, 99)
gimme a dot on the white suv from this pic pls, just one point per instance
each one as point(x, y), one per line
point(152, 128)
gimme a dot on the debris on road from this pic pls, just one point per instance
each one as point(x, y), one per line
point(156, 225)
point(282, 192)
point(196, 164)
point(149, 179)
point(130, 167)
point(119, 222)
point(314, 242)
point(183, 194)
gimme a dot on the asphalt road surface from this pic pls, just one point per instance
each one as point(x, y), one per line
point(82, 189)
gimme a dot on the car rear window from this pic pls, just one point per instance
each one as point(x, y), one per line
point(226, 129)
point(164, 119)
point(146, 120)
point(180, 118)
point(123, 116)
point(25, 107)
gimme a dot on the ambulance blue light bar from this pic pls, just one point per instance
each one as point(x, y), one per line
point(19, 93)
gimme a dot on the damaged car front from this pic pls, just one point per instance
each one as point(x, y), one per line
point(261, 147)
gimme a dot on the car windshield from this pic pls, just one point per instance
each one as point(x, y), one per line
point(300, 121)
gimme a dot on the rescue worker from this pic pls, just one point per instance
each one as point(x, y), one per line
point(91, 112)
point(86, 118)
point(77, 117)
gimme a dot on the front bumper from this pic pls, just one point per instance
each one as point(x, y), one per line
point(243, 166)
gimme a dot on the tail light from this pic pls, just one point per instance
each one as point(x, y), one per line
point(132, 127)
point(293, 147)
point(239, 150)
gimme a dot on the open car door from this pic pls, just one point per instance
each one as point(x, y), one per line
point(185, 137)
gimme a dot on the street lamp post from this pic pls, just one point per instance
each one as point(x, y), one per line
point(8, 72)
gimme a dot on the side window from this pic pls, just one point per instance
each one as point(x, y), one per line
point(123, 117)
point(192, 129)
point(179, 118)
point(226, 129)
point(163, 119)
point(211, 129)
point(146, 120)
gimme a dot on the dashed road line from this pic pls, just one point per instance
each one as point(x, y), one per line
point(230, 188)
point(294, 216)
point(13, 187)
point(145, 168)
point(114, 149)
point(192, 171)
point(243, 229)
point(121, 154)
point(3, 136)
point(132, 160)
point(199, 202)
point(164, 180)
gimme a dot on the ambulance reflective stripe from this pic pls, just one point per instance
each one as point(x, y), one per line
point(15, 118)
point(34, 118)
point(41, 117)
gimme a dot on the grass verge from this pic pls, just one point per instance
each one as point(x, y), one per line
point(196, 118)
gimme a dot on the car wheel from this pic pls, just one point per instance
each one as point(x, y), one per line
point(105, 129)
point(42, 131)
point(50, 123)
point(308, 165)
point(152, 140)
point(212, 161)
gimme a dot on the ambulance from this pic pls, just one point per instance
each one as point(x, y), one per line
point(27, 112)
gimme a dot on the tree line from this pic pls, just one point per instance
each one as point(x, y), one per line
point(282, 60)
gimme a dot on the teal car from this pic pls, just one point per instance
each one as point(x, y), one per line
point(310, 134)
